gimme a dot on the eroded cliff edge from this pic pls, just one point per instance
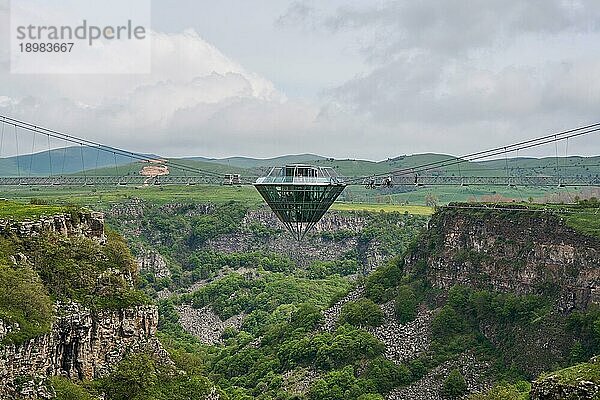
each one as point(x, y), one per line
point(521, 252)
point(83, 342)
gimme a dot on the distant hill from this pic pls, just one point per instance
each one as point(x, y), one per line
point(68, 160)
point(134, 168)
point(248, 162)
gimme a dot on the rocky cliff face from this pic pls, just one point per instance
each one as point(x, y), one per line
point(88, 224)
point(517, 252)
point(81, 345)
point(151, 261)
point(579, 382)
point(314, 247)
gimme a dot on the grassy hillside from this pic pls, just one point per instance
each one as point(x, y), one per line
point(134, 168)
point(100, 198)
point(69, 160)
point(20, 211)
point(65, 160)
point(249, 162)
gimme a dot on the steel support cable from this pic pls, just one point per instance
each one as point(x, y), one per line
point(516, 146)
point(413, 170)
point(500, 152)
point(109, 149)
point(50, 156)
point(427, 167)
point(32, 153)
point(489, 153)
point(62, 171)
point(17, 148)
point(106, 148)
point(2, 140)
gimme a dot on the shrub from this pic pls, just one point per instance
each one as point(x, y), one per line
point(340, 385)
point(387, 375)
point(454, 385)
point(448, 322)
point(406, 304)
point(363, 312)
point(24, 300)
point(67, 390)
point(383, 278)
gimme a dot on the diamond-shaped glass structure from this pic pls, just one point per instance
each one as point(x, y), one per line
point(300, 194)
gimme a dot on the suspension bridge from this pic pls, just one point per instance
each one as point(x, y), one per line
point(298, 194)
point(427, 174)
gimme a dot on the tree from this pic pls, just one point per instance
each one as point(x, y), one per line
point(24, 300)
point(406, 304)
point(454, 385)
point(447, 322)
point(363, 312)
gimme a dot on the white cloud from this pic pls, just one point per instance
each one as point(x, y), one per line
point(450, 77)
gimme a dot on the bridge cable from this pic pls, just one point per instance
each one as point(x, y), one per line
point(32, 153)
point(584, 130)
point(430, 166)
point(2, 140)
point(83, 164)
point(18, 157)
point(81, 141)
point(64, 158)
point(50, 156)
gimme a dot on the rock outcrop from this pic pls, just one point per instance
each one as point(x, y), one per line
point(516, 252)
point(205, 324)
point(430, 386)
point(314, 247)
point(552, 389)
point(404, 342)
point(80, 345)
point(80, 223)
point(151, 261)
point(579, 382)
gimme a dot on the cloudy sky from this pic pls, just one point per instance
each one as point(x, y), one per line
point(349, 79)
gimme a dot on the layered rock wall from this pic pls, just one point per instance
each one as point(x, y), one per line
point(80, 223)
point(80, 345)
point(518, 252)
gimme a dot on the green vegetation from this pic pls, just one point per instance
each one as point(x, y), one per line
point(454, 385)
point(225, 219)
point(394, 231)
point(361, 313)
point(140, 377)
point(24, 300)
point(137, 377)
point(99, 197)
point(589, 371)
point(584, 217)
point(410, 209)
point(281, 303)
point(68, 390)
point(406, 304)
point(234, 293)
point(505, 391)
point(36, 271)
point(80, 269)
point(20, 211)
